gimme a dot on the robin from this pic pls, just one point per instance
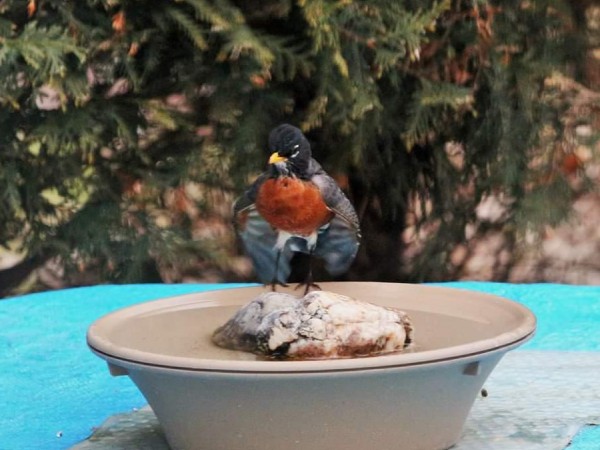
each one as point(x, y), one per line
point(295, 206)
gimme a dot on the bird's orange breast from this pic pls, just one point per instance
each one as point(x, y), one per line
point(292, 205)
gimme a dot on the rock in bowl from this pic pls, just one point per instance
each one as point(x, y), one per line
point(319, 325)
point(210, 398)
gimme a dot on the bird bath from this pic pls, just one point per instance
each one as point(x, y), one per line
point(209, 398)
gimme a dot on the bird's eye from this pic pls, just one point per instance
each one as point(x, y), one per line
point(293, 155)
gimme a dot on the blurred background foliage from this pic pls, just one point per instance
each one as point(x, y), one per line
point(460, 129)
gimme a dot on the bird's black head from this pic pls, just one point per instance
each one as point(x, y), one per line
point(291, 150)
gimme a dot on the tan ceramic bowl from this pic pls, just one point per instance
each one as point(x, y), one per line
point(207, 398)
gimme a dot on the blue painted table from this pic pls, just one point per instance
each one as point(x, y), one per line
point(54, 391)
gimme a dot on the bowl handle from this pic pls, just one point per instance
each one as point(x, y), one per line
point(117, 371)
point(472, 369)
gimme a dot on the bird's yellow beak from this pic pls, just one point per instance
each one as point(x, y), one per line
point(276, 157)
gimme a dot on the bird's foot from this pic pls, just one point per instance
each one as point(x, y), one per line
point(308, 285)
point(276, 283)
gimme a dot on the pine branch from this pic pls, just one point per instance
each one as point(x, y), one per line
point(290, 59)
point(222, 16)
point(429, 106)
point(44, 49)
point(191, 28)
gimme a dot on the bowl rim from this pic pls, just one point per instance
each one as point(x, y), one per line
point(124, 356)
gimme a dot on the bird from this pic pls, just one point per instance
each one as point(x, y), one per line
point(295, 206)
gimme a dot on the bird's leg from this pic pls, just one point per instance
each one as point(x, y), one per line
point(275, 281)
point(309, 283)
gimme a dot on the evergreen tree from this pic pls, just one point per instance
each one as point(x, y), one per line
point(111, 109)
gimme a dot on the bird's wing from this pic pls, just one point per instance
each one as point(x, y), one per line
point(259, 238)
point(338, 242)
